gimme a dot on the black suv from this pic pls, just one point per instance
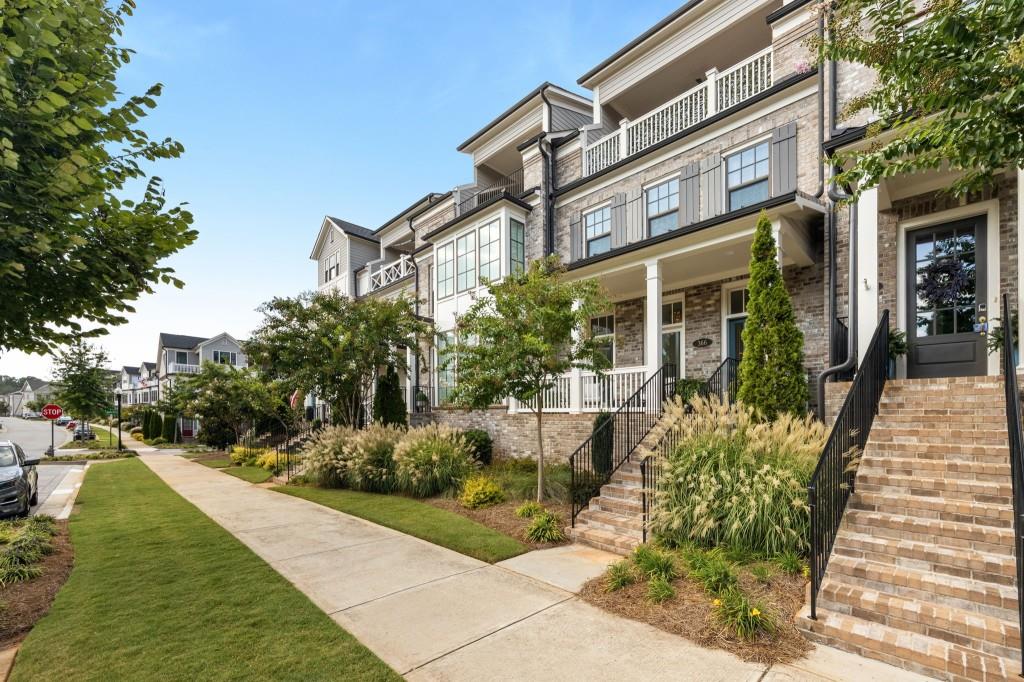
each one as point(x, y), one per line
point(19, 481)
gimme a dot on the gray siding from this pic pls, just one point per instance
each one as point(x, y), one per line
point(567, 119)
point(224, 345)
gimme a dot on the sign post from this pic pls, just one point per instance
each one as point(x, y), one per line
point(52, 412)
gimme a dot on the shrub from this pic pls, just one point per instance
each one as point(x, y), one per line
point(156, 427)
point(431, 460)
point(388, 402)
point(170, 428)
point(248, 456)
point(527, 510)
point(159, 440)
point(659, 589)
point(736, 481)
point(746, 619)
point(711, 570)
point(686, 389)
point(369, 459)
point(481, 491)
point(790, 562)
point(603, 438)
point(267, 460)
point(620, 574)
point(24, 544)
point(654, 563)
point(325, 456)
point(135, 431)
point(545, 527)
point(480, 444)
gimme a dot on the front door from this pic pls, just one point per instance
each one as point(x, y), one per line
point(734, 342)
point(946, 294)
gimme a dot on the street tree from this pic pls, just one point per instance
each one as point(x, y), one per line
point(515, 341)
point(226, 399)
point(948, 92)
point(83, 385)
point(76, 244)
point(335, 346)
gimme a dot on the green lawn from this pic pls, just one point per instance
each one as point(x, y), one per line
point(416, 518)
point(105, 440)
point(161, 592)
point(247, 473)
point(218, 463)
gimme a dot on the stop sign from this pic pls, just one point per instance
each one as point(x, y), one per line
point(52, 411)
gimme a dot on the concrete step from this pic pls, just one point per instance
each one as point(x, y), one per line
point(1000, 516)
point(942, 533)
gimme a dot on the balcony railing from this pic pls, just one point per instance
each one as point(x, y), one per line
point(590, 392)
point(391, 273)
point(471, 198)
point(718, 92)
point(179, 368)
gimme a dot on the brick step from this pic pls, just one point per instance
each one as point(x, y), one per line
point(960, 469)
point(927, 556)
point(880, 450)
point(622, 491)
point(623, 524)
point(995, 636)
point(965, 421)
point(627, 477)
point(606, 540)
point(984, 492)
point(910, 651)
point(990, 599)
point(985, 434)
point(617, 505)
point(1000, 516)
point(943, 533)
point(953, 449)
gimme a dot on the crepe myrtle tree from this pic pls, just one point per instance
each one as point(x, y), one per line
point(335, 346)
point(516, 340)
point(223, 396)
point(948, 89)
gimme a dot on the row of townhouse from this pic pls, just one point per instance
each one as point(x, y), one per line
point(652, 184)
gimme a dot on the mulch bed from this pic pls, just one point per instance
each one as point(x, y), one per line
point(502, 518)
point(24, 603)
point(690, 614)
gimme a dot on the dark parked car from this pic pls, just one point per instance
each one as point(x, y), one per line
point(83, 432)
point(19, 481)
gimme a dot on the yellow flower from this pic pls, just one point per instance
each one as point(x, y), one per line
point(717, 602)
point(755, 612)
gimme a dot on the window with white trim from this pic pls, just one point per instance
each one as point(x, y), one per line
point(602, 333)
point(180, 357)
point(597, 227)
point(490, 250)
point(465, 262)
point(663, 207)
point(223, 357)
point(517, 246)
point(747, 176)
point(446, 270)
point(445, 359)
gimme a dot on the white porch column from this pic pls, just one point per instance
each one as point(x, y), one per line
point(652, 318)
point(576, 376)
point(867, 269)
point(410, 383)
point(777, 236)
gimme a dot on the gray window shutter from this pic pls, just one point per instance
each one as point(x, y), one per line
point(576, 237)
point(636, 229)
point(784, 159)
point(618, 221)
point(689, 195)
point(711, 188)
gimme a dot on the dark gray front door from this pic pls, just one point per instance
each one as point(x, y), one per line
point(946, 300)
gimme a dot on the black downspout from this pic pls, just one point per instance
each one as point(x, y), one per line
point(549, 184)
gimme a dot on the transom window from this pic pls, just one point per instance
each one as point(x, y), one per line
point(672, 313)
point(446, 270)
point(598, 228)
point(663, 207)
point(747, 176)
point(602, 332)
point(490, 251)
point(224, 357)
point(738, 301)
point(517, 246)
point(465, 256)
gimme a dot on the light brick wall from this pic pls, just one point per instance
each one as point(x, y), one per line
point(568, 165)
point(790, 51)
point(629, 333)
point(515, 435)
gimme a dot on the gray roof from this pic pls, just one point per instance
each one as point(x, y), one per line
point(130, 370)
point(36, 384)
point(353, 229)
point(149, 365)
point(180, 340)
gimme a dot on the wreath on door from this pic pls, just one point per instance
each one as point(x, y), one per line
point(942, 281)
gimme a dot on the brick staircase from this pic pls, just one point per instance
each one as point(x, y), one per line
point(922, 574)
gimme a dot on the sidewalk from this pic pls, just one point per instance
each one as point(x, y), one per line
point(434, 614)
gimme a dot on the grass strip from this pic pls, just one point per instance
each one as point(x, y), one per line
point(248, 473)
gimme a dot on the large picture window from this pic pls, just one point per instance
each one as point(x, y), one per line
point(517, 246)
point(465, 259)
point(598, 227)
point(490, 251)
point(663, 207)
point(223, 357)
point(602, 332)
point(747, 176)
point(446, 270)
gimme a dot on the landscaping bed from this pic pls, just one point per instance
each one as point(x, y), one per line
point(25, 602)
point(90, 456)
point(502, 518)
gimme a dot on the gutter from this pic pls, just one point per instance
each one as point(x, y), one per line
point(548, 157)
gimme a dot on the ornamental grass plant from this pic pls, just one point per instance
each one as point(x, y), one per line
point(432, 460)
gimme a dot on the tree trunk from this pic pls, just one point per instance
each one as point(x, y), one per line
point(540, 448)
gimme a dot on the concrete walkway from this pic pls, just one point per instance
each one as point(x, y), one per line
point(434, 614)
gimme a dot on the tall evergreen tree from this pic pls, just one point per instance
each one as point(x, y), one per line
point(772, 377)
point(388, 403)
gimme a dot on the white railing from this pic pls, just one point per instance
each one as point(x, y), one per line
point(391, 273)
point(558, 398)
point(718, 92)
point(744, 80)
point(178, 368)
point(611, 389)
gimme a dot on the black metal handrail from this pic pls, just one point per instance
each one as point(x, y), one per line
point(839, 347)
point(724, 382)
point(421, 398)
point(511, 184)
point(1016, 442)
point(832, 481)
point(613, 441)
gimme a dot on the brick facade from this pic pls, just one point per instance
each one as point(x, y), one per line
point(515, 435)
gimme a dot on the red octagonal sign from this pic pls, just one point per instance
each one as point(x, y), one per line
point(52, 411)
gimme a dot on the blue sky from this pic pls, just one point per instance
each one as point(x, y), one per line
point(292, 110)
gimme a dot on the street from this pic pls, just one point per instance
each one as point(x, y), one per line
point(34, 437)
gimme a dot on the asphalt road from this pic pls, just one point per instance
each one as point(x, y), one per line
point(34, 437)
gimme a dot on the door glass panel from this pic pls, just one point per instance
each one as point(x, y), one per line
point(924, 247)
point(924, 324)
point(965, 319)
point(735, 346)
point(670, 349)
point(945, 283)
point(944, 321)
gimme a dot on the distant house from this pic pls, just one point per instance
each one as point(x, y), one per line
point(30, 391)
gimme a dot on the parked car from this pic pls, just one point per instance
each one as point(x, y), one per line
point(71, 425)
point(83, 432)
point(29, 414)
point(64, 420)
point(19, 481)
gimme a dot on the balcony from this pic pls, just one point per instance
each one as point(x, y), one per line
point(719, 91)
point(377, 276)
point(468, 199)
point(179, 368)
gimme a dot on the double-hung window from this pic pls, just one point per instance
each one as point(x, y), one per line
point(490, 251)
point(602, 333)
point(747, 176)
point(663, 207)
point(223, 357)
point(446, 270)
point(465, 258)
point(598, 227)
point(517, 246)
point(331, 267)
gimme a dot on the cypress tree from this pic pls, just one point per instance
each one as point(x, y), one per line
point(170, 424)
point(157, 426)
point(388, 403)
point(147, 424)
point(771, 373)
